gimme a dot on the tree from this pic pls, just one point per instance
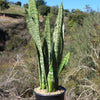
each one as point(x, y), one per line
point(44, 10)
point(40, 2)
point(76, 17)
point(18, 3)
point(88, 8)
point(73, 11)
point(54, 10)
point(3, 5)
point(25, 5)
point(66, 12)
point(78, 11)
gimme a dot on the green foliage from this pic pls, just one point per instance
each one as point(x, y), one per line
point(84, 45)
point(85, 50)
point(76, 18)
point(66, 12)
point(18, 3)
point(3, 5)
point(40, 2)
point(63, 63)
point(90, 41)
point(54, 10)
point(14, 9)
point(50, 52)
point(43, 10)
point(25, 5)
point(88, 8)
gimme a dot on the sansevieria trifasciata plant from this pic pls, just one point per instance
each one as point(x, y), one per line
point(51, 50)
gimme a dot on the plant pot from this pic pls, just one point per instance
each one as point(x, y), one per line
point(51, 97)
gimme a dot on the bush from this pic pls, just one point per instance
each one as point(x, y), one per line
point(76, 18)
point(18, 3)
point(54, 10)
point(25, 5)
point(3, 5)
point(84, 44)
point(44, 10)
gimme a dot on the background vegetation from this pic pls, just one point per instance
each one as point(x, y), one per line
point(18, 60)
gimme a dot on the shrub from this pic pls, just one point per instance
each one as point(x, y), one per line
point(44, 10)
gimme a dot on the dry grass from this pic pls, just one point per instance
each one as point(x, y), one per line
point(16, 83)
point(5, 20)
point(15, 9)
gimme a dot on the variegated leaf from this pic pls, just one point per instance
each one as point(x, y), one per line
point(64, 62)
point(48, 38)
point(33, 13)
point(57, 30)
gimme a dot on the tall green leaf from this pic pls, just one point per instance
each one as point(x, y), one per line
point(33, 13)
point(48, 38)
point(36, 37)
point(47, 45)
point(33, 26)
point(61, 45)
point(57, 30)
point(57, 44)
point(64, 62)
point(31, 32)
point(50, 79)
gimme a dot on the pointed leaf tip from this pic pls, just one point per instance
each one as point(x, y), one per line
point(61, 5)
point(67, 58)
point(64, 62)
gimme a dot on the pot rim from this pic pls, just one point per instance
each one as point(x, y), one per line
point(59, 88)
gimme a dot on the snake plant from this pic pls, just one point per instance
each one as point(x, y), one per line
point(49, 52)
